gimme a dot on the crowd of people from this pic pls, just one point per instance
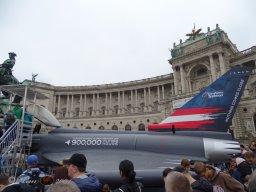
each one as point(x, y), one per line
point(238, 175)
point(70, 177)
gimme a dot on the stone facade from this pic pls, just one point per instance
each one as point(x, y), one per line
point(130, 106)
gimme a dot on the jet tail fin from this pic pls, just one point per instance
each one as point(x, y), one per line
point(213, 108)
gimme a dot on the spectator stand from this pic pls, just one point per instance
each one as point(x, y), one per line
point(15, 143)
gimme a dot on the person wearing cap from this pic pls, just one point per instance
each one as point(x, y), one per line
point(32, 162)
point(87, 182)
point(9, 63)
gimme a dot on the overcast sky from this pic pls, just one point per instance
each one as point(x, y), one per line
point(91, 42)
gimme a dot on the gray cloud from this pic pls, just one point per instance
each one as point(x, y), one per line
point(86, 42)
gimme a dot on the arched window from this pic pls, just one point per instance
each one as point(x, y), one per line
point(128, 127)
point(201, 71)
point(114, 127)
point(101, 128)
point(199, 77)
point(142, 127)
point(88, 127)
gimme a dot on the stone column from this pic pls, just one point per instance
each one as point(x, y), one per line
point(81, 106)
point(145, 99)
point(175, 82)
point(213, 70)
point(131, 100)
point(158, 94)
point(97, 104)
point(189, 85)
point(72, 106)
point(136, 100)
point(106, 103)
point(93, 104)
point(172, 88)
point(85, 105)
point(182, 79)
point(149, 100)
point(163, 91)
point(119, 103)
point(54, 111)
point(110, 103)
point(58, 108)
point(222, 64)
point(123, 110)
point(67, 111)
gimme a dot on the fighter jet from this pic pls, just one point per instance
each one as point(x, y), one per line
point(204, 120)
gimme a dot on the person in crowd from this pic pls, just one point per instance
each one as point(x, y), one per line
point(5, 186)
point(4, 182)
point(87, 182)
point(201, 185)
point(127, 173)
point(37, 128)
point(243, 149)
point(17, 110)
point(32, 175)
point(9, 119)
point(177, 182)
point(220, 180)
point(61, 173)
point(165, 172)
point(64, 186)
point(232, 170)
point(106, 188)
point(246, 165)
point(252, 183)
point(185, 163)
point(252, 147)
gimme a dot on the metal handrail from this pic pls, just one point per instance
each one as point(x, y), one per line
point(9, 138)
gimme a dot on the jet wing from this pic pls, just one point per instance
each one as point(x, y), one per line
point(43, 115)
point(108, 160)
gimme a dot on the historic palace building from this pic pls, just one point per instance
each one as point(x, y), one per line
point(130, 106)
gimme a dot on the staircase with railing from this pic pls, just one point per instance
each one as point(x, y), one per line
point(16, 141)
point(15, 144)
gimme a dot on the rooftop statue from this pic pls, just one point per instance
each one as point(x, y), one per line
point(6, 77)
point(194, 33)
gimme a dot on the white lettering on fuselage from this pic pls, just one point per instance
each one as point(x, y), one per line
point(93, 142)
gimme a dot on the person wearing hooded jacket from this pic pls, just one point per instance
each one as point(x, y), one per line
point(127, 173)
point(220, 180)
point(86, 182)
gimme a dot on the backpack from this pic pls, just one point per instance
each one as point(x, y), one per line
point(34, 181)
